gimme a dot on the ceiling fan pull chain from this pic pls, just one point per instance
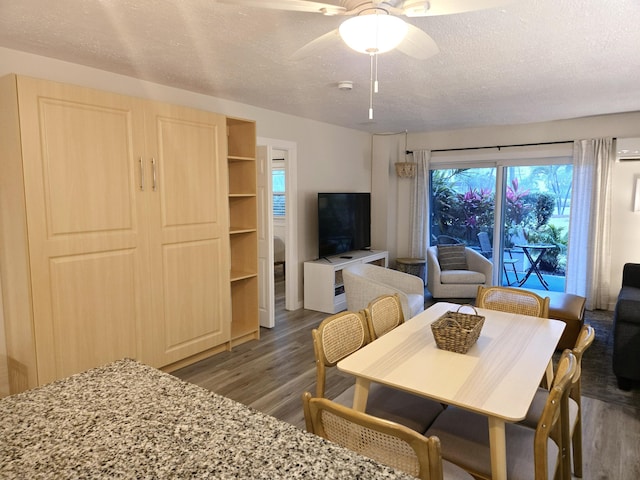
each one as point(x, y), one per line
point(371, 87)
point(375, 83)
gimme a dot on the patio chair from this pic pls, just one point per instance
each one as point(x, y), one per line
point(386, 442)
point(487, 250)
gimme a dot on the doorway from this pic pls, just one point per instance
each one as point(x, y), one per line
point(277, 213)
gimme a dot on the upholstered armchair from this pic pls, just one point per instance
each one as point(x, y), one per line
point(457, 271)
point(626, 328)
point(364, 282)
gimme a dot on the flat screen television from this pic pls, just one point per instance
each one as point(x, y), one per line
point(344, 222)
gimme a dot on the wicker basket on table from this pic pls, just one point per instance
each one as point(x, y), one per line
point(457, 331)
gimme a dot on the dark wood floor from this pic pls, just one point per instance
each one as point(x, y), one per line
point(271, 374)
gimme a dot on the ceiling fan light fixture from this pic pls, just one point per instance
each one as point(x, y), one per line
point(373, 33)
point(416, 8)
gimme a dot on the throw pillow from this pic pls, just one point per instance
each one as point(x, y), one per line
point(452, 257)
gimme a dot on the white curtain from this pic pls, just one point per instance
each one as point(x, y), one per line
point(588, 254)
point(420, 205)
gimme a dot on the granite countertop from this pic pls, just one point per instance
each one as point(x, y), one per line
point(128, 420)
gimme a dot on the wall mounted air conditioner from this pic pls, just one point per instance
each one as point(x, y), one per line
point(629, 157)
point(628, 149)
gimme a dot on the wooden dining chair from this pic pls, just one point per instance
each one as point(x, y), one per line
point(384, 441)
point(572, 416)
point(531, 454)
point(513, 300)
point(516, 300)
point(342, 334)
point(383, 314)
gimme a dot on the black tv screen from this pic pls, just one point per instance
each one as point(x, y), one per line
point(344, 222)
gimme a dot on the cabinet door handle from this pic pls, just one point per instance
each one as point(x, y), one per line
point(153, 170)
point(141, 175)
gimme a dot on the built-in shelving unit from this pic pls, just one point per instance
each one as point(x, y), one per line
point(243, 232)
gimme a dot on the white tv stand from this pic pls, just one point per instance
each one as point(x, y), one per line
point(323, 286)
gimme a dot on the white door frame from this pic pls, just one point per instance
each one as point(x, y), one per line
point(292, 270)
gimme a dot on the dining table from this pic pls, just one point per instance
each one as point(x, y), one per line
point(497, 377)
point(127, 420)
point(534, 253)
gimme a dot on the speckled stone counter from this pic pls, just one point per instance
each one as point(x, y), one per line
point(128, 420)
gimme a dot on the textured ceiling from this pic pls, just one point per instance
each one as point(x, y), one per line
point(529, 61)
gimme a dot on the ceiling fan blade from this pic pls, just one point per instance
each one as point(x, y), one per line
point(291, 5)
point(418, 44)
point(423, 8)
point(316, 46)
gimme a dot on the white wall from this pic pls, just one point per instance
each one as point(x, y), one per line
point(625, 224)
point(330, 158)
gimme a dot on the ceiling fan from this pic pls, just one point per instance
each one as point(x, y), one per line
point(374, 26)
point(388, 30)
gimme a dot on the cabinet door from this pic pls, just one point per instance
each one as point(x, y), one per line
point(84, 211)
point(188, 222)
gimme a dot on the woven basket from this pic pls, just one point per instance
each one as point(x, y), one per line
point(456, 331)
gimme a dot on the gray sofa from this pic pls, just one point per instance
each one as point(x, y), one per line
point(626, 328)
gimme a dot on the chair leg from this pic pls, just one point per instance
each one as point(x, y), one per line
point(506, 275)
point(513, 266)
point(576, 450)
point(564, 470)
point(515, 272)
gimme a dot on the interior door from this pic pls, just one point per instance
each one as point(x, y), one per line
point(266, 289)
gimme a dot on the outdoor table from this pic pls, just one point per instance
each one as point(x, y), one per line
point(533, 263)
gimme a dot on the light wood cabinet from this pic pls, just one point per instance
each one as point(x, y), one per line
point(188, 228)
point(114, 230)
point(243, 233)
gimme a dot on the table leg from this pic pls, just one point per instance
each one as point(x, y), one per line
point(528, 274)
point(361, 392)
point(533, 268)
point(498, 447)
point(537, 272)
point(549, 374)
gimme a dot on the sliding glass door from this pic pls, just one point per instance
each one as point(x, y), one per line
point(520, 211)
point(536, 222)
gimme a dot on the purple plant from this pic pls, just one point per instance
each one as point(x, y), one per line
point(476, 208)
point(516, 208)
